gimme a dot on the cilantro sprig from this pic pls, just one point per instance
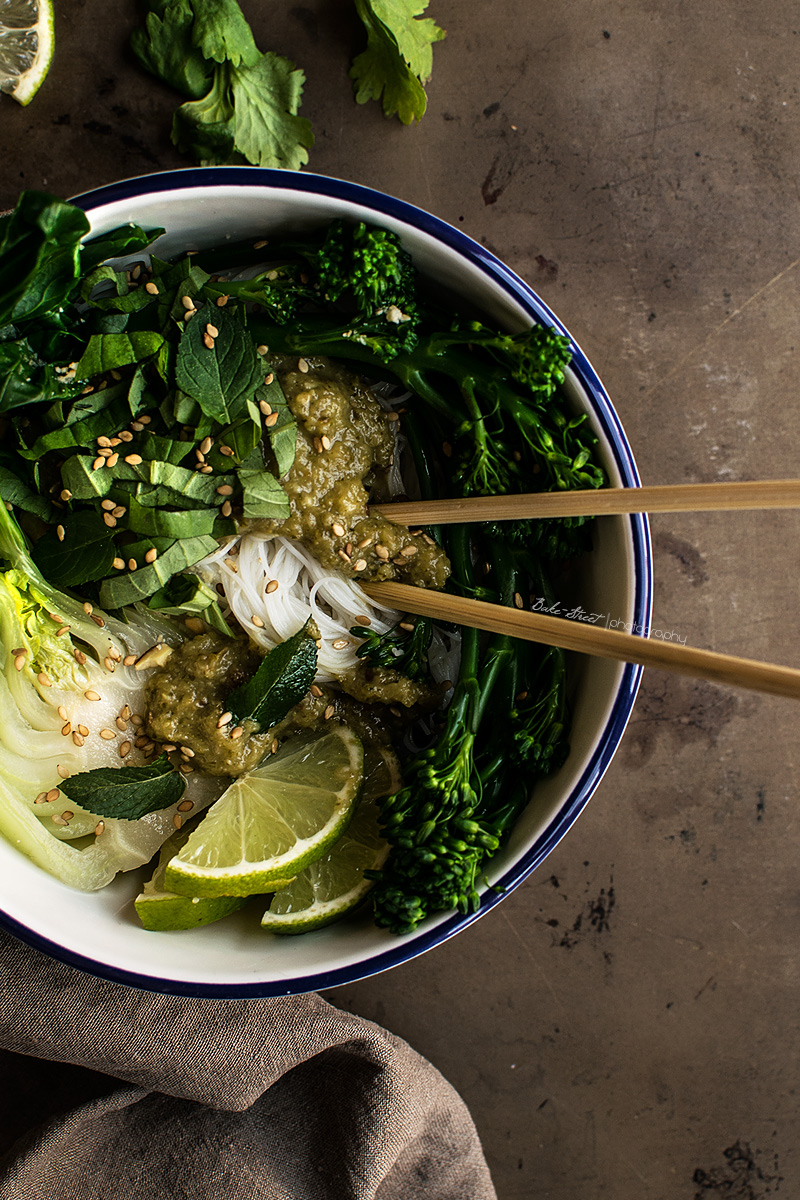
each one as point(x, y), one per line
point(398, 59)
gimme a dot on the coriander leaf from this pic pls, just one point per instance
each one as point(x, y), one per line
point(398, 57)
point(266, 97)
point(85, 553)
point(264, 498)
point(221, 32)
point(165, 48)
point(121, 590)
point(282, 679)
point(109, 351)
point(224, 376)
point(186, 595)
point(127, 793)
point(203, 128)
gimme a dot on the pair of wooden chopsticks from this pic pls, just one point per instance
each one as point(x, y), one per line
point(572, 635)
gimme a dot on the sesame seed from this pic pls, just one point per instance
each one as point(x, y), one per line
point(41, 798)
point(187, 302)
point(19, 661)
point(66, 729)
point(407, 626)
point(79, 656)
point(63, 771)
point(125, 435)
point(315, 691)
point(66, 494)
point(120, 724)
point(271, 420)
point(326, 441)
point(125, 712)
point(392, 416)
point(109, 664)
point(363, 619)
point(151, 555)
point(52, 795)
point(107, 504)
point(97, 464)
point(382, 552)
point(57, 820)
point(269, 378)
point(83, 731)
point(212, 330)
point(360, 564)
point(177, 820)
point(518, 601)
point(208, 341)
point(206, 444)
point(124, 749)
point(141, 741)
point(114, 653)
point(90, 695)
point(129, 660)
point(409, 551)
point(168, 747)
point(112, 462)
point(224, 720)
point(367, 541)
point(338, 529)
point(262, 350)
point(106, 452)
point(329, 711)
point(205, 469)
point(345, 557)
point(201, 458)
point(87, 608)
point(265, 407)
point(188, 751)
point(137, 426)
point(271, 587)
point(225, 489)
point(237, 732)
point(186, 806)
point(64, 629)
point(317, 444)
point(119, 511)
point(194, 624)
point(152, 288)
point(132, 564)
point(227, 451)
point(189, 314)
point(77, 738)
point(257, 621)
point(107, 735)
point(99, 827)
point(44, 679)
point(274, 747)
point(60, 532)
point(133, 459)
point(302, 365)
point(340, 644)
point(62, 712)
point(109, 520)
point(222, 301)
point(227, 508)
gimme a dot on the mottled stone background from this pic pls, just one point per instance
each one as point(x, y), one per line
point(625, 1024)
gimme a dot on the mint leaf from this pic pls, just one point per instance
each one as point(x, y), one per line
point(127, 793)
point(266, 97)
point(398, 58)
point(282, 679)
point(109, 351)
point(223, 377)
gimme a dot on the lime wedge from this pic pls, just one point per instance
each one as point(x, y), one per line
point(334, 884)
point(273, 821)
point(161, 910)
point(27, 42)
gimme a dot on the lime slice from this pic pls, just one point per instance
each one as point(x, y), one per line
point(273, 821)
point(27, 41)
point(161, 910)
point(335, 883)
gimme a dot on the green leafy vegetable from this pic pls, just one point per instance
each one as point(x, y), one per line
point(127, 793)
point(84, 553)
point(282, 679)
point(243, 105)
point(186, 595)
point(398, 59)
point(121, 590)
point(222, 376)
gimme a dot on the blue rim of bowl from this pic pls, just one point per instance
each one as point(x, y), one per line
point(410, 947)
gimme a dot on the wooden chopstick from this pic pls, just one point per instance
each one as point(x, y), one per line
point(589, 639)
point(596, 502)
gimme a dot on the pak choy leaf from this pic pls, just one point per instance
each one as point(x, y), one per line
point(127, 793)
point(283, 677)
point(398, 59)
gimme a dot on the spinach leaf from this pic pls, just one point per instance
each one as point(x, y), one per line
point(264, 498)
point(282, 679)
point(14, 490)
point(127, 793)
point(39, 253)
point(160, 522)
point(221, 377)
point(85, 554)
point(109, 351)
point(125, 239)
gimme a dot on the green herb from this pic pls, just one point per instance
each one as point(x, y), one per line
point(186, 595)
point(128, 793)
point(221, 376)
point(282, 679)
point(399, 649)
point(83, 554)
point(242, 104)
point(398, 59)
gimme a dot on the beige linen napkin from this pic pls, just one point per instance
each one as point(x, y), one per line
point(280, 1099)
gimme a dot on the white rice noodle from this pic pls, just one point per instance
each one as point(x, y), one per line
point(245, 566)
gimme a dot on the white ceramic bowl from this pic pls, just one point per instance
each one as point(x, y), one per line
point(99, 932)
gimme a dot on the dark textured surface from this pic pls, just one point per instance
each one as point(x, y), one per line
point(625, 1024)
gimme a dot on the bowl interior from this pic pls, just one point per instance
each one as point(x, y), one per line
point(100, 932)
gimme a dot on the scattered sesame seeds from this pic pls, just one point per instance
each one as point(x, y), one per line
point(186, 806)
point(107, 505)
point(79, 657)
point(112, 462)
point(407, 626)
point(518, 601)
point(63, 771)
point(237, 732)
point(338, 529)
point(367, 541)
point(77, 739)
point(188, 751)
point(151, 555)
point(271, 420)
point(205, 469)
point(212, 330)
point(177, 820)
point(187, 302)
point(224, 720)
point(83, 731)
point(129, 660)
point(269, 378)
point(315, 690)
point(92, 695)
point(257, 621)
point(227, 508)
point(329, 711)
point(137, 426)
point(64, 629)
point(133, 459)
point(152, 288)
point(382, 552)
point(120, 724)
point(262, 350)
point(99, 827)
point(206, 444)
point(260, 245)
point(344, 556)
point(109, 520)
point(302, 365)
point(44, 679)
point(222, 301)
point(265, 407)
point(66, 494)
point(125, 712)
point(409, 551)
point(62, 712)
point(109, 664)
point(125, 435)
point(119, 511)
point(60, 532)
point(124, 749)
point(360, 564)
point(340, 644)
point(118, 564)
point(326, 441)
point(392, 416)
point(208, 341)
point(168, 747)
point(41, 798)
point(57, 820)
point(271, 587)
point(52, 795)
point(97, 464)
point(227, 451)
point(19, 661)
point(107, 735)
point(225, 489)
point(66, 729)
point(363, 619)
point(132, 565)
